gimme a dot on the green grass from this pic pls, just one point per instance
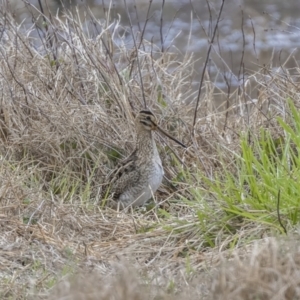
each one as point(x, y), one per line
point(254, 191)
point(262, 182)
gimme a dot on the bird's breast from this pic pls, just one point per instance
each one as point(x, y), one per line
point(156, 175)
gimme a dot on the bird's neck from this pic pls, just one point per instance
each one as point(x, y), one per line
point(146, 144)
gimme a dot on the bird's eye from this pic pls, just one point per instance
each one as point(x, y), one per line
point(148, 118)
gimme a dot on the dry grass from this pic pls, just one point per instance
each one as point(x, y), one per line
point(267, 270)
point(67, 112)
point(270, 271)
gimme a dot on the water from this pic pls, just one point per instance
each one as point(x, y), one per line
point(250, 32)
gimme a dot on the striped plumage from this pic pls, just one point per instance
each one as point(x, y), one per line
point(137, 178)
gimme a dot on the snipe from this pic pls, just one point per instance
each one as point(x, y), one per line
point(138, 177)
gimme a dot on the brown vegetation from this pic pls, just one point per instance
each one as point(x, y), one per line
point(67, 108)
point(270, 270)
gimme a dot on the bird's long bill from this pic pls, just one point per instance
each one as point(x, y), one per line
point(170, 137)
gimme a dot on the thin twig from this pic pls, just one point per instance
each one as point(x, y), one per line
point(137, 54)
point(278, 213)
point(161, 26)
point(205, 65)
point(142, 35)
point(48, 37)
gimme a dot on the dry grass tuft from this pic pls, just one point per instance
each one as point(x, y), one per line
point(124, 285)
point(269, 271)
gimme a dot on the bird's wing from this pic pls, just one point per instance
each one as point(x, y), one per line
point(123, 176)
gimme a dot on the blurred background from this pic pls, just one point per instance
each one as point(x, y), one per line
point(251, 34)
